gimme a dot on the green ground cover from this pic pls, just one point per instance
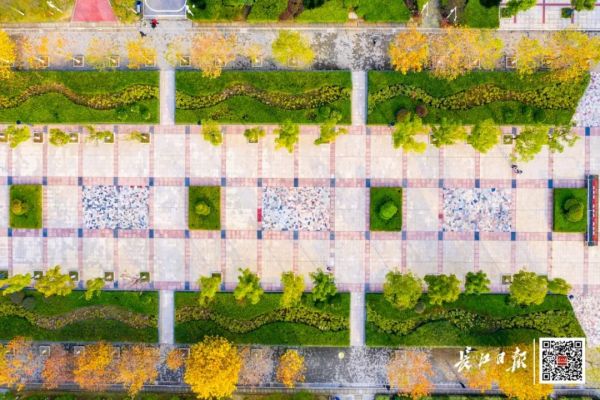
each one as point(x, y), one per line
point(485, 320)
point(26, 206)
point(263, 97)
point(502, 96)
point(35, 10)
point(113, 316)
point(369, 10)
point(251, 324)
point(80, 96)
point(209, 196)
point(478, 15)
point(380, 196)
point(561, 222)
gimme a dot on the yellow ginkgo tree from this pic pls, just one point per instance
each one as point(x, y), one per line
point(8, 55)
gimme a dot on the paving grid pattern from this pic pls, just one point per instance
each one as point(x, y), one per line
point(176, 257)
point(546, 15)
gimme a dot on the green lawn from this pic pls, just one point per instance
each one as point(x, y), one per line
point(145, 304)
point(560, 222)
point(291, 95)
point(30, 196)
point(35, 10)
point(538, 99)
point(283, 333)
point(211, 196)
point(379, 197)
point(478, 15)
point(90, 87)
point(434, 329)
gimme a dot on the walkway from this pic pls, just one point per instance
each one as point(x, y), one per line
point(166, 317)
point(93, 11)
point(359, 97)
point(357, 318)
point(167, 97)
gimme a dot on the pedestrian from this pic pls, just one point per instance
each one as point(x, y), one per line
point(142, 34)
point(154, 23)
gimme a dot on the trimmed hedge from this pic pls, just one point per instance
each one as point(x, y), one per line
point(380, 196)
point(502, 96)
point(209, 196)
point(30, 198)
point(561, 221)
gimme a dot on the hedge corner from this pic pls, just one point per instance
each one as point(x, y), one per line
point(25, 208)
point(570, 210)
point(204, 210)
point(386, 209)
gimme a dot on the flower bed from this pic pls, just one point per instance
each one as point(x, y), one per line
point(265, 322)
point(382, 200)
point(484, 320)
point(82, 96)
point(25, 208)
point(566, 217)
point(204, 207)
point(502, 96)
point(261, 97)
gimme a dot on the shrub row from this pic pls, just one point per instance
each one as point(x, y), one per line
point(321, 320)
point(557, 96)
point(99, 101)
point(53, 322)
point(554, 322)
point(309, 99)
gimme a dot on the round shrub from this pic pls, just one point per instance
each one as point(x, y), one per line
point(28, 303)
point(402, 114)
point(388, 210)
point(421, 110)
point(539, 115)
point(202, 209)
point(18, 207)
point(420, 307)
point(509, 114)
point(573, 210)
point(17, 298)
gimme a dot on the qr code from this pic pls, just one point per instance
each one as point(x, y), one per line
point(562, 360)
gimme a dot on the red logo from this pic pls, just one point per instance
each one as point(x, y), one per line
point(562, 360)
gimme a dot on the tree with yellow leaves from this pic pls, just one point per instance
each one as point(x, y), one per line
point(212, 368)
point(529, 55)
point(98, 52)
point(409, 51)
point(136, 367)
point(291, 368)
point(8, 55)
point(487, 49)
point(410, 372)
point(94, 367)
point(58, 367)
point(140, 54)
point(211, 52)
point(175, 359)
point(176, 51)
point(18, 359)
point(292, 49)
point(521, 383)
point(451, 52)
point(572, 54)
point(55, 283)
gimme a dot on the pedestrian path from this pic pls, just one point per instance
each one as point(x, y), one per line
point(359, 97)
point(166, 316)
point(167, 97)
point(357, 318)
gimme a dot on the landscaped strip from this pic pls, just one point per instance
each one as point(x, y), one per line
point(570, 210)
point(26, 206)
point(262, 97)
point(113, 315)
point(502, 96)
point(263, 323)
point(204, 207)
point(385, 209)
point(484, 320)
point(82, 96)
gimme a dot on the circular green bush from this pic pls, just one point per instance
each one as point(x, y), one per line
point(421, 110)
point(420, 307)
point(122, 113)
point(202, 209)
point(402, 114)
point(28, 303)
point(17, 298)
point(387, 211)
point(573, 209)
point(18, 207)
point(539, 115)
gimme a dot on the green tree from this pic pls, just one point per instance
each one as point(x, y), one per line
point(484, 135)
point(293, 288)
point(581, 5)
point(254, 134)
point(561, 136)
point(17, 135)
point(447, 133)
point(388, 210)
point(209, 286)
point(329, 132)
point(54, 283)
point(59, 137)
point(405, 132)
point(403, 291)
point(15, 283)
point(211, 131)
point(528, 288)
point(477, 283)
point(529, 142)
point(248, 287)
point(93, 288)
point(287, 136)
point(559, 286)
point(292, 48)
point(323, 286)
point(442, 288)
point(514, 6)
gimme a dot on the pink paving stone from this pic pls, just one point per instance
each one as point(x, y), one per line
point(93, 11)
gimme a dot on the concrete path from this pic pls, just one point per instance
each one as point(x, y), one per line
point(357, 318)
point(167, 97)
point(166, 317)
point(359, 97)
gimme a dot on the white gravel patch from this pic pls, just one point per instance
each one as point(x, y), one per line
point(588, 110)
point(587, 310)
point(483, 210)
point(295, 209)
point(115, 207)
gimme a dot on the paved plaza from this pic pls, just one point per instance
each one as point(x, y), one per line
point(178, 157)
